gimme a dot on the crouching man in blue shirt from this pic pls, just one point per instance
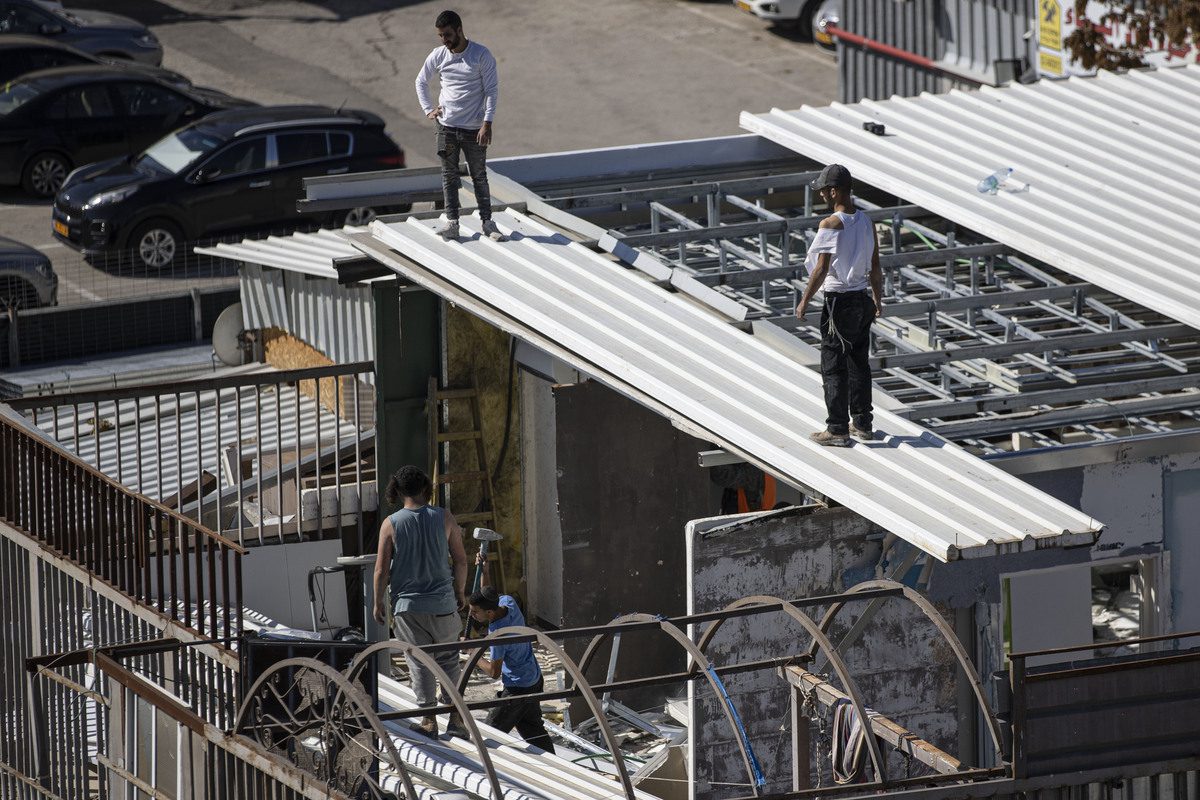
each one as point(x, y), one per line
point(514, 664)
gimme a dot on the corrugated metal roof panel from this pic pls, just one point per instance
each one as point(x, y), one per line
point(286, 420)
point(1111, 162)
point(725, 385)
point(290, 283)
point(308, 253)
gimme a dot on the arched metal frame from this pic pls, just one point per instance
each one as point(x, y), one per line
point(412, 651)
point(581, 683)
point(698, 660)
point(820, 640)
point(926, 608)
point(346, 690)
point(349, 692)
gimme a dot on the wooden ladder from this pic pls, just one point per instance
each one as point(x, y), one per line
point(485, 516)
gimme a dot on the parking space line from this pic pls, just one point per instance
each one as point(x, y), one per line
point(86, 294)
point(48, 246)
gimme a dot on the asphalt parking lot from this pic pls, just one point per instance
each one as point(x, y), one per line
point(573, 74)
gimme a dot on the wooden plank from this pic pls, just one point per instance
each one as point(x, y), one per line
point(900, 738)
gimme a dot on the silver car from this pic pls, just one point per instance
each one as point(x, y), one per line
point(27, 280)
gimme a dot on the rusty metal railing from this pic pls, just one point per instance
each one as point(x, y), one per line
point(155, 556)
point(259, 457)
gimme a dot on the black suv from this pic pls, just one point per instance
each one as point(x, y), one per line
point(57, 119)
point(233, 171)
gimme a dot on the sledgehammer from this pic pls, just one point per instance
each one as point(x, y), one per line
point(483, 536)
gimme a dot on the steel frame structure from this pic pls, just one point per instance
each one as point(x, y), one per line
point(296, 716)
point(982, 345)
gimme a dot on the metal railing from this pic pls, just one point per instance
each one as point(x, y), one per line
point(150, 553)
point(260, 457)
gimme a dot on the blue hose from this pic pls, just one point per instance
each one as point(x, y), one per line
point(759, 780)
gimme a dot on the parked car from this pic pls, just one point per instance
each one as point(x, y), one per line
point(95, 32)
point(233, 171)
point(27, 280)
point(807, 14)
point(20, 55)
point(56, 119)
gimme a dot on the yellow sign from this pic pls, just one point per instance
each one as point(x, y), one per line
point(1050, 64)
point(1050, 24)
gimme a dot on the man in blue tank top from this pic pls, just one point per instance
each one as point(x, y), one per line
point(843, 263)
point(412, 571)
point(514, 664)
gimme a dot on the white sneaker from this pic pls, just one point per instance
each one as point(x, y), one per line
point(492, 232)
point(449, 230)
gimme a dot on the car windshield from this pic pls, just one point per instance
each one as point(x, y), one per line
point(174, 153)
point(15, 95)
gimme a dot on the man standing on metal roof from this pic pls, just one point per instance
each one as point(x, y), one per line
point(843, 262)
point(463, 115)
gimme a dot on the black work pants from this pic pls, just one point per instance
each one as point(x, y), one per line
point(526, 716)
point(845, 369)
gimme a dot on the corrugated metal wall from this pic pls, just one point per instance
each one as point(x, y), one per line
point(337, 320)
point(907, 24)
point(977, 33)
point(966, 35)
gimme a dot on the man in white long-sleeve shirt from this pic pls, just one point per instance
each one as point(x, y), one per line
point(464, 112)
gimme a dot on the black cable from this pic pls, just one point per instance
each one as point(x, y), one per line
point(512, 359)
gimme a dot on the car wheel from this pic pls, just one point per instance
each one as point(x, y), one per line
point(44, 174)
point(363, 215)
point(156, 244)
point(17, 293)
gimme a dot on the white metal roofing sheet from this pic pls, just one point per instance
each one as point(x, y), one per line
point(1111, 162)
point(725, 385)
point(307, 253)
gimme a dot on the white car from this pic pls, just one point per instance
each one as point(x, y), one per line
point(813, 15)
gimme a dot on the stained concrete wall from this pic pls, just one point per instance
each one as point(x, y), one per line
point(901, 665)
point(616, 484)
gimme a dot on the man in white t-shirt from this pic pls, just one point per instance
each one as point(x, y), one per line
point(843, 262)
point(464, 112)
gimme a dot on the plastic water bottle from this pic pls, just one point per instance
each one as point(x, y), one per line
point(991, 184)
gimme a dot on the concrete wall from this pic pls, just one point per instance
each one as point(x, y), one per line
point(900, 664)
point(610, 487)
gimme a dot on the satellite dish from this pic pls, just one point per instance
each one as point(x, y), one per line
point(226, 336)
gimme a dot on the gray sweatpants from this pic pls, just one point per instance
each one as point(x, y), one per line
point(421, 629)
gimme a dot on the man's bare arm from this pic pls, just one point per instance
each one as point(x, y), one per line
point(877, 279)
point(458, 554)
point(383, 565)
point(817, 277)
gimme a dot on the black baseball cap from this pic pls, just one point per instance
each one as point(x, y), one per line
point(833, 175)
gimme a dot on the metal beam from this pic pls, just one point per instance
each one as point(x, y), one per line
point(986, 300)
point(900, 738)
point(1071, 342)
point(916, 258)
point(1080, 415)
point(1073, 394)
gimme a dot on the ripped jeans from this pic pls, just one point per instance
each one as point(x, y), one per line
point(451, 142)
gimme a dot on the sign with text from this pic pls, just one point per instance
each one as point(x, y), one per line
point(1057, 21)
